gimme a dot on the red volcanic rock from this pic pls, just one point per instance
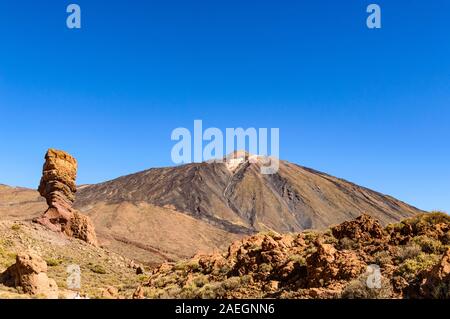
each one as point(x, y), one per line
point(327, 265)
point(363, 228)
point(30, 273)
point(58, 187)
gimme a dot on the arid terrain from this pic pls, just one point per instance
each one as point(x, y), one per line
point(173, 213)
point(413, 259)
point(413, 256)
point(217, 230)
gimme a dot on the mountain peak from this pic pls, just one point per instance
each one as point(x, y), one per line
point(239, 154)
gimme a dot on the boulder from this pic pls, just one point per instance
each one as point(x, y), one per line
point(30, 274)
point(327, 265)
point(364, 228)
point(140, 270)
point(110, 292)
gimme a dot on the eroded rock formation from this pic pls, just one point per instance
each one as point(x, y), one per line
point(58, 187)
point(30, 274)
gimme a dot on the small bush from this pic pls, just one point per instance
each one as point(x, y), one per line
point(232, 283)
point(7, 257)
point(330, 239)
point(405, 252)
point(200, 281)
point(422, 222)
point(310, 235)
point(187, 265)
point(98, 269)
point(212, 291)
point(164, 281)
point(358, 289)
point(441, 291)
point(299, 259)
point(347, 243)
point(270, 233)
point(225, 269)
point(382, 258)
point(411, 267)
point(53, 262)
point(142, 278)
point(429, 245)
point(15, 227)
point(246, 279)
point(265, 268)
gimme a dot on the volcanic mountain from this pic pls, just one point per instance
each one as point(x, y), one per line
point(174, 212)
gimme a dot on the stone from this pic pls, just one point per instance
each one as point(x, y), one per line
point(139, 293)
point(272, 285)
point(110, 292)
point(140, 270)
point(30, 273)
point(327, 265)
point(58, 187)
point(364, 228)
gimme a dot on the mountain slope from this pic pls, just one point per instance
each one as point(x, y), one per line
point(242, 200)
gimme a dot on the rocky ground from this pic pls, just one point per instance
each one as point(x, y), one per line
point(413, 256)
point(55, 253)
point(103, 274)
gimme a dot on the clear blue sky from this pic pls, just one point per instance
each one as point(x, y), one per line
point(370, 106)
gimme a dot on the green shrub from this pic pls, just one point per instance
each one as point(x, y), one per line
point(429, 245)
point(405, 252)
point(299, 259)
point(330, 239)
point(142, 278)
point(165, 280)
point(265, 268)
point(382, 258)
point(270, 233)
point(98, 269)
point(212, 291)
point(225, 269)
point(200, 281)
point(232, 283)
point(358, 289)
point(411, 267)
point(15, 227)
point(311, 235)
point(53, 262)
point(187, 265)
